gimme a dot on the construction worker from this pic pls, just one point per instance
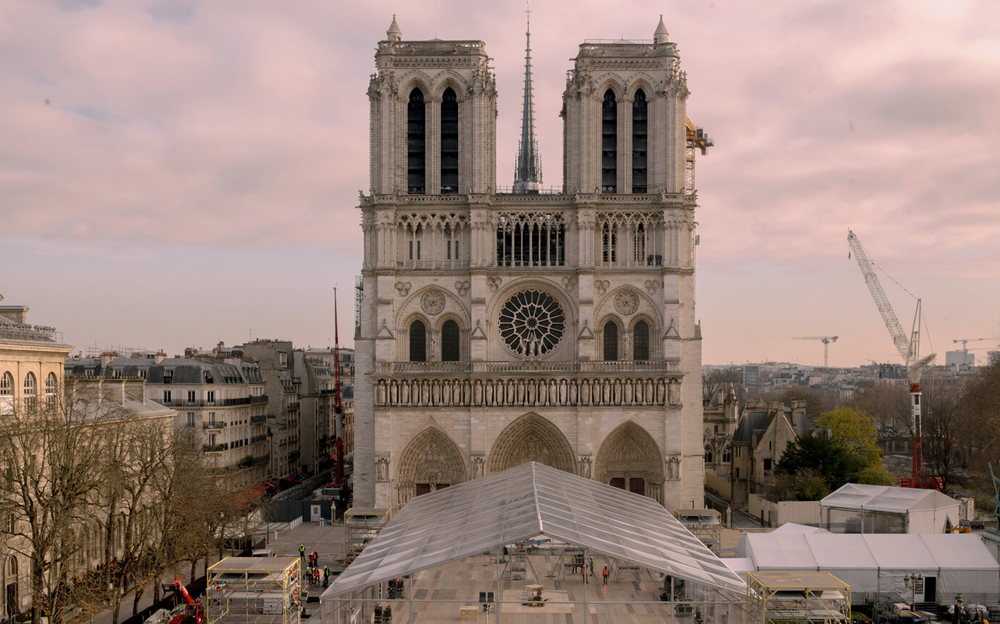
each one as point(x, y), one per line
point(315, 576)
point(605, 575)
point(326, 576)
point(302, 551)
point(309, 574)
point(592, 566)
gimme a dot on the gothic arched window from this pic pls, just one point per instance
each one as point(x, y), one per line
point(51, 386)
point(416, 144)
point(640, 116)
point(30, 393)
point(449, 142)
point(640, 341)
point(610, 341)
point(450, 342)
point(609, 143)
point(418, 342)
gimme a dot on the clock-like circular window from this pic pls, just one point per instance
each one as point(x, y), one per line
point(531, 323)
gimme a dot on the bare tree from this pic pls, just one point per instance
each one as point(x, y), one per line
point(714, 379)
point(52, 460)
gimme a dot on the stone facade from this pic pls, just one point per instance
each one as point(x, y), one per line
point(503, 328)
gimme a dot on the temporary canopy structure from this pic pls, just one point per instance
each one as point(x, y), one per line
point(877, 564)
point(525, 502)
point(856, 508)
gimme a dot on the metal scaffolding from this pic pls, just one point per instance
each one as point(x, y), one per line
point(360, 527)
point(254, 590)
point(705, 524)
point(799, 596)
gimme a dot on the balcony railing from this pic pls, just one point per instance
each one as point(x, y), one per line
point(258, 439)
point(212, 424)
point(651, 366)
point(30, 333)
point(258, 419)
point(294, 405)
point(215, 448)
point(259, 399)
point(263, 459)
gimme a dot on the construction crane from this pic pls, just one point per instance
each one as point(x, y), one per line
point(189, 611)
point(965, 341)
point(826, 340)
point(909, 349)
point(338, 406)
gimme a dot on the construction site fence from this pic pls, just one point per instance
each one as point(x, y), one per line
point(304, 489)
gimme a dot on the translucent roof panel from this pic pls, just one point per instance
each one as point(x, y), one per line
point(525, 502)
point(887, 499)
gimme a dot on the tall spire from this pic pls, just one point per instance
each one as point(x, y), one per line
point(528, 173)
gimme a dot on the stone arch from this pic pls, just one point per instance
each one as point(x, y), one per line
point(602, 337)
point(499, 351)
point(415, 80)
point(611, 82)
point(646, 310)
point(450, 78)
point(531, 438)
point(641, 81)
point(412, 310)
point(651, 325)
point(629, 457)
point(430, 461)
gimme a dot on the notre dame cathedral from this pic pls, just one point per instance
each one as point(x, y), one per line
point(501, 325)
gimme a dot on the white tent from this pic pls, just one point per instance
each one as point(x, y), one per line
point(877, 564)
point(856, 508)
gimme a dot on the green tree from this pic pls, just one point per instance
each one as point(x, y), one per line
point(812, 456)
point(854, 430)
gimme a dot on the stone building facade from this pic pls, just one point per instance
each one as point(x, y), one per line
point(500, 328)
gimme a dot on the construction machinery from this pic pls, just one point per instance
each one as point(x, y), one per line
point(826, 340)
point(189, 611)
point(909, 349)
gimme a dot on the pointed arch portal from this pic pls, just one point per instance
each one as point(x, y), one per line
point(629, 458)
point(430, 461)
point(531, 438)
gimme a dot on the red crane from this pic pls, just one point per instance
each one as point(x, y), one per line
point(190, 611)
point(338, 407)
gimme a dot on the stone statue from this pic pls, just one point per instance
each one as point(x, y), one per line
point(381, 470)
point(996, 496)
point(585, 467)
point(478, 466)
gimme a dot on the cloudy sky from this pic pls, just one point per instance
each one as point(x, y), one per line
point(175, 173)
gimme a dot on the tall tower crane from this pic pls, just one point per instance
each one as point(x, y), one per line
point(338, 406)
point(826, 340)
point(909, 349)
point(965, 341)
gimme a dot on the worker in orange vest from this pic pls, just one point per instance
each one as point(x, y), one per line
point(605, 575)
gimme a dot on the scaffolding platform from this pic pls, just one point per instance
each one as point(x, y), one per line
point(705, 524)
point(254, 590)
point(360, 527)
point(799, 596)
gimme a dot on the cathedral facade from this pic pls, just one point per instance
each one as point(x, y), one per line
point(499, 327)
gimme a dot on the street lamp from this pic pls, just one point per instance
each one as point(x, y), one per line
point(911, 581)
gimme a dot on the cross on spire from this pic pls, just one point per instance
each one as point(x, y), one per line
point(528, 172)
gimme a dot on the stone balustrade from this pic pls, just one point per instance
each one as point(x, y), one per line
point(528, 368)
point(402, 390)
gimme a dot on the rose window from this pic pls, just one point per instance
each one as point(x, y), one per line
point(531, 323)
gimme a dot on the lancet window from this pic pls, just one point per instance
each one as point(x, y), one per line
point(609, 143)
point(449, 142)
point(610, 341)
point(630, 239)
point(416, 144)
point(418, 342)
point(450, 342)
point(430, 240)
point(531, 239)
point(640, 116)
point(640, 341)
